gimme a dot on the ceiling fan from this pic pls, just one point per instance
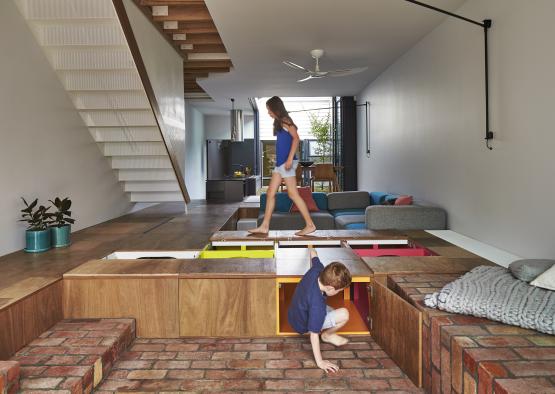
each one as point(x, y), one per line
point(317, 73)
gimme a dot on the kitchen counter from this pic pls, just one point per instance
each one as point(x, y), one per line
point(231, 188)
point(233, 178)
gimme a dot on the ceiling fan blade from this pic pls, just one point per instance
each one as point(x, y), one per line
point(305, 79)
point(295, 66)
point(347, 71)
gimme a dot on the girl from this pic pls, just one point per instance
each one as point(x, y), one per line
point(286, 164)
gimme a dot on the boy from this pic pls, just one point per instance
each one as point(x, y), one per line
point(308, 311)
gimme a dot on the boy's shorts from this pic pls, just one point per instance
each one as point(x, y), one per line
point(329, 321)
point(287, 173)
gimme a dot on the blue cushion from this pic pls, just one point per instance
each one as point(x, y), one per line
point(378, 198)
point(341, 212)
point(321, 200)
point(356, 226)
point(283, 202)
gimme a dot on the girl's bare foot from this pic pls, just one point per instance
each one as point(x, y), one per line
point(334, 339)
point(307, 230)
point(259, 230)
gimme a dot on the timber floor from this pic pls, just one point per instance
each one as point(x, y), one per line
point(161, 227)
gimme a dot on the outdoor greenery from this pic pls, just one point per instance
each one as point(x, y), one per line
point(321, 130)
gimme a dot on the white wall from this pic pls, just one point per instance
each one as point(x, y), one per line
point(195, 153)
point(218, 127)
point(45, 149)
point(427, 126)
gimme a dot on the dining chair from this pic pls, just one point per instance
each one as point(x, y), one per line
point(324, 173)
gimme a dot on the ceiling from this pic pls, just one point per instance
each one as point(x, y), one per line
point(259, 35)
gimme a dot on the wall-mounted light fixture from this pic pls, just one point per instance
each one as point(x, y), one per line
point(486, 25)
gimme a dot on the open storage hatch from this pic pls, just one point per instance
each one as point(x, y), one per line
point(382, 248)
point(293, 263)
point(355, 299)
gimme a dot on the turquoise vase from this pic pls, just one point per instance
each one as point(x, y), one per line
point(37, 241)
point(60, 236)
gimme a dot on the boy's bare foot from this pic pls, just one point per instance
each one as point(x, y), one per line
point(307, 230)
point(259, 230)
point(334, 339)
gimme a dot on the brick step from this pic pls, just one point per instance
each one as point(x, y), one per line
point(469, 354)
point(74, 355)
point(9, 377)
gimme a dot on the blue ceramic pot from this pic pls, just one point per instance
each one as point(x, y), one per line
point(60, 236)
point(37, 241)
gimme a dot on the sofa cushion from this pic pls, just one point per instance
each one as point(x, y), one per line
point(529, 269)
point(283, 202)
point(356, 226)
point(347, 221)
point(306, 195)
point(378, 198)
point(294, 221)
point(321, 200)
point(345, 200)
point(403, 200)
point(405, 217)
point(546, 280)
point(341, 212)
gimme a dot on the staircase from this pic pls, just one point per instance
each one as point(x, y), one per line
point(85, 44)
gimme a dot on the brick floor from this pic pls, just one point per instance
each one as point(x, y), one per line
point(262, 364)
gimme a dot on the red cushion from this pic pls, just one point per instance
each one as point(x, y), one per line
point(306, 195)
point(403, 200)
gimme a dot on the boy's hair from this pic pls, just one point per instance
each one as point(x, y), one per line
point(335, 275)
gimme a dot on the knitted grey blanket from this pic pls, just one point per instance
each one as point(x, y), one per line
point(494, 293)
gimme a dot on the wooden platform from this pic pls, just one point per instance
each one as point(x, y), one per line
point(318, 235)
point(432, 264)
point(31, 284)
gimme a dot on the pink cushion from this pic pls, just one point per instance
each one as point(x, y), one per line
point(403, 200)
point(306, 195)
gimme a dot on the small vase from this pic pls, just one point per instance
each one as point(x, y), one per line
point(60, 236)
point(37, 241)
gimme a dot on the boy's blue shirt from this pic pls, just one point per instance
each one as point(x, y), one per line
point(307, 310)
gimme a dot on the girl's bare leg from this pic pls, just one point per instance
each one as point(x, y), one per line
point(270, 204)
point(291, 183)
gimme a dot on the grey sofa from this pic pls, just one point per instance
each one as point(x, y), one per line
point(405, 217)
point(356, 210)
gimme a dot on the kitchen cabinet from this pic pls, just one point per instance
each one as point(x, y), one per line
point(230, 189)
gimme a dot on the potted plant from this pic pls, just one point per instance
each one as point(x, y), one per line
point(37, 236)
point(61, 222)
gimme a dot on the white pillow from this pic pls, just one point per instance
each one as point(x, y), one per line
point(546, 280)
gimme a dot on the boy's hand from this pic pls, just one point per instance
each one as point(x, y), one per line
point(328, 366)
point(311, 251)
